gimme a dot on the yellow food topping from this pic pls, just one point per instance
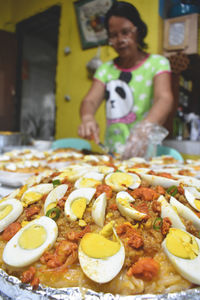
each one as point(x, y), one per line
point(109, 215)
point(23, 189)
point(97, 246)
point(51, 205)
point(89, 182)
point(5, 210)
point(107, 229)
point(120, 178)
point(32, 237)
point(78, 207)
point(24, 223)
point(181, 244)
point(197, 203)
point(103, 169)
point(31, 197)
point(67, 173)
point(82, 223)
point(124, 202)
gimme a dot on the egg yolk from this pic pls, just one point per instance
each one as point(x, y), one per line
point(78, 207)
point(120, 178)
point(67, 173)
point(107, 229)
point(181, 244)
point(197, 203)
point(104, 169)
point(124, 202)
point(89, 182)
point(51, 205)
point(5, 210)
point(97, 246)
point(32, 197)
point(33, 237)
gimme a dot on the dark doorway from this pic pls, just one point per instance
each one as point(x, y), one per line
point(36, 70)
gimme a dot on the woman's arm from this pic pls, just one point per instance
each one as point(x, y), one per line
point(163, 99)
point(89, 128)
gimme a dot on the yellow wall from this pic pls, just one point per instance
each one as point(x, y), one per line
point(5, 15)
point(71, 77)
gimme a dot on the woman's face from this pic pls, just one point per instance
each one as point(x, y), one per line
point(122, 36)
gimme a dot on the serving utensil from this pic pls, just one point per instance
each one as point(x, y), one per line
point(105, 149)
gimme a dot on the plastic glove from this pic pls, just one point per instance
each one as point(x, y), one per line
point(141, 136)
point(89, 128)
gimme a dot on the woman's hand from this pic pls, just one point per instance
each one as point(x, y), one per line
point(89, 129)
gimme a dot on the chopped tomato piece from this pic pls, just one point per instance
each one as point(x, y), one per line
point(11, 230)
point(145, 268)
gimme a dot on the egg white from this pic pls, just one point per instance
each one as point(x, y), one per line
point(137, 160)
point(125, 209)
point(91, 157)
point(90, 175)
point(73, 172)
point(86, 193)
point(191, 193)
point(11, 195)
point(55, 195)
point(43, 188)
point(99, 209)
point(103, 169)
point(16, 211)
point(168, 211)
point(104, 157)
point(159, 180)
point(102, 270)
point(16, 256)
point(117, 186)
point(188, 180)
point(188, 268)
point(185, 212)
point(132, 168)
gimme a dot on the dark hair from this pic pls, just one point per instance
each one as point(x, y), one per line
point(128, 11)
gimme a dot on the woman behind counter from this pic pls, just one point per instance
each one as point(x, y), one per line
point(136, 86)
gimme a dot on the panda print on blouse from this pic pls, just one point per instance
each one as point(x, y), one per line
point(120, 100)
point(128, 95)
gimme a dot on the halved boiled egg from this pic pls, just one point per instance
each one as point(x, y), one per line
point(193, 196)
point(38, 178)
point(77, 201)
point(104, 169)
point(137, 160)
point(189, 181)
point(101, 259)
point(91, 157)
point(30, 242)
point(91, 179)
point(99, 209)
point(185, 212)
point(72, 173)
point(10, 210)
point(120, 181)
point(182, 249)
point(167, 210)
point(35, 193)
point(104, 157)
point(123, 200)
point(53, 197)
point(159, 180)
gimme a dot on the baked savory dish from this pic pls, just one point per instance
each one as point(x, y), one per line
point(104, 225)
